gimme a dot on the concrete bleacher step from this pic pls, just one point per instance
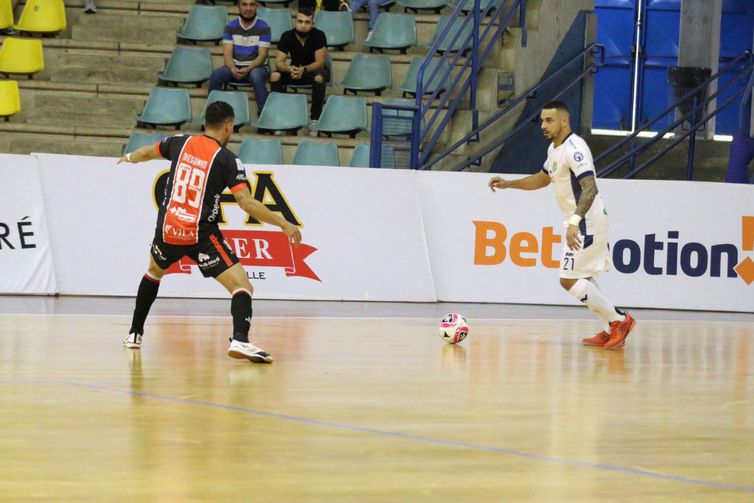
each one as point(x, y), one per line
point(108, 68)
point(98, 79)
point(145, 29)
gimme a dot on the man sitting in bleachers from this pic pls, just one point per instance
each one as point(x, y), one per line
point(245, 44)
point(307, 48)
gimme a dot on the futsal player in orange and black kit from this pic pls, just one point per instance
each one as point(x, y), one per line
point(200, 171)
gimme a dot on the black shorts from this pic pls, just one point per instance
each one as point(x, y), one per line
point(212, 254)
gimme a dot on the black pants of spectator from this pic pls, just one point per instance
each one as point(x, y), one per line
point(318, 90)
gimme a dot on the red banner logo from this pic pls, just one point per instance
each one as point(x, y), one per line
point(261, 249)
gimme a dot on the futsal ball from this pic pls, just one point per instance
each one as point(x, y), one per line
point(453, 328)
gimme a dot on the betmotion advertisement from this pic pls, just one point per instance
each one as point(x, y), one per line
point(376, 235)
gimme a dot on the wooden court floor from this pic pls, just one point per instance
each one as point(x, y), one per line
point(374, 409)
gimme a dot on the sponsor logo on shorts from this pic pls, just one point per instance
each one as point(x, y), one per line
point(156, 250)
point(205, 261)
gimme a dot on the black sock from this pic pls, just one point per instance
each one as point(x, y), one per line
point(144, 299)
point(240, 308)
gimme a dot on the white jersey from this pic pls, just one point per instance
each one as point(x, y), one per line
point(566, 165)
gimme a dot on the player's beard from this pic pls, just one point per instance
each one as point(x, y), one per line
point(303, 34)
point(248, 19)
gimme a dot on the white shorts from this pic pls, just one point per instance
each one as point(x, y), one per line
point(592, 259)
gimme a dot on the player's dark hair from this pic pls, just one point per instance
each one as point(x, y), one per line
point(557, 105)
point(217, 114)
point(306, 11)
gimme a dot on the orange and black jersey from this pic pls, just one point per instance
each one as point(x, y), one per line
point(201, 169)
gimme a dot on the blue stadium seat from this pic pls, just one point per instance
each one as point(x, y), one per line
point(236, 99)
point(338, 27)
point(166, 107)
point(368, 73)
point(138, 140)
point(437, 83)
point(255, 151)
point(187, 65)
point(283, 112)
point(205, 23)
point(279, 20)
point(312, 153)
point(394, 32)
point(343, 115)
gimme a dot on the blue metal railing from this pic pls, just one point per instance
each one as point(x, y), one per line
point(697, 116)
point(744, 111)
point(446, 100)
point(590, 57)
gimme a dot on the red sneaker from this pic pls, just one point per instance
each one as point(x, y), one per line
point(619, 331)
point(598, 340)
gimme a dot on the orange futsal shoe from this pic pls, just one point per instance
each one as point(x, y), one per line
point(619, 331)
point(598, 340)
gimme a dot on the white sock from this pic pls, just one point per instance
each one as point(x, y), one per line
point(589, 294)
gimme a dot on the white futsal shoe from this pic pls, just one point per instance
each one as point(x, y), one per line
point(249, 351)
point(132, 341)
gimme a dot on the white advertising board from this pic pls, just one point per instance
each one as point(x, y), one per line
point(674, 244)
point(362, 232)
point(387, 235)
point(25, 255)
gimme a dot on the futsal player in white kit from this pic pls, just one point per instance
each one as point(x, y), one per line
point(570, 168)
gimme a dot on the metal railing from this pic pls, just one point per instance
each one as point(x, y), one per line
point(591, 58)
point(447, 78)
point(696, 116)
point(445, 102)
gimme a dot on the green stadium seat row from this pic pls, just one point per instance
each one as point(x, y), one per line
point(205, 23)
point(360, 158)
point(270, 152)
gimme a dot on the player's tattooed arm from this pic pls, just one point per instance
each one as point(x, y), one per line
point(588, 193)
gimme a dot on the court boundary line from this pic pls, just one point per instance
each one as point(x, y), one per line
point(420, 438)
point(314, 317)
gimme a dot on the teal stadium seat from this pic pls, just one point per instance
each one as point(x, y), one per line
point(437, 83)
point(343, 115)
point(254, 151)
point(417, 5)
point(166, 106)
point(138, 140)
point(368, 74)
point(312, 153)
point(283, 112)
point(338, 27)
point(236, 99)
point(279, 20)
point(205, 23)
point(360, 158)
point(393, 32)
point(187, 65)
point(450, 43)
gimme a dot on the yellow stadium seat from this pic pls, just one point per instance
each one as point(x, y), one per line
point(10, 102)
point(6, 14)
point(42, 16)
point(21, 56)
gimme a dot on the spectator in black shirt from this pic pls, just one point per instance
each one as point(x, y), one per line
point(307, 48)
